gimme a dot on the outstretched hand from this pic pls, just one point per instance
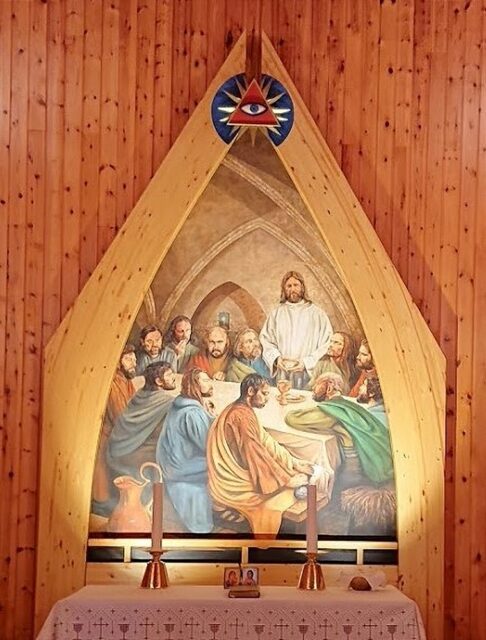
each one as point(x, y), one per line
point(301, 466)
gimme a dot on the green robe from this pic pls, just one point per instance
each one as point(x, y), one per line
point(370, 436)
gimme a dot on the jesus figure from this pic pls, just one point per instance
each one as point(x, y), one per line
point(296, 334)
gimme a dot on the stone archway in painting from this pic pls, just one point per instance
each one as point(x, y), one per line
point(242, 308)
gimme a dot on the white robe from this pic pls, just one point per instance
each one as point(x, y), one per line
point(296, 330)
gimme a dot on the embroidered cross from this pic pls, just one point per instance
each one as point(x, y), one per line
point(236, 625)
point(325, 626)
point(281, 626)
point(146, 624)
point(191, 624)
point(100, 624)
point(413, 627)
point(369, 625)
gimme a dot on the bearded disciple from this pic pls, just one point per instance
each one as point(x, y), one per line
point(215, 358)
point(150, 349)
point(245, 464)
point(181, 452)
point(136, 431)
point(178, 348)
point(121, 391)
point(247, 351)
point(366, 366)
point(295, 334)
point(340, 358)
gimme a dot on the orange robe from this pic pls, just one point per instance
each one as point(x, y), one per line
point(246, 466)
point(209, 364)
point(364, 375)
point(121, 391)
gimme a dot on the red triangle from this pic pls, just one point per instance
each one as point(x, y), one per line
point(253, 109)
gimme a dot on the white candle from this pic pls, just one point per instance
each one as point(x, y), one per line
point(157, 514)
point(311, 522)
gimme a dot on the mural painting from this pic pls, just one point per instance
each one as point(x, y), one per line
point(246, 376)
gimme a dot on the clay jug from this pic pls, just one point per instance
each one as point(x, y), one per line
point(129, 515)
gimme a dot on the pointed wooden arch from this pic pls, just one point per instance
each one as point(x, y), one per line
point(82, 355)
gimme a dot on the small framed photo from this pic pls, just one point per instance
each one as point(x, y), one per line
point(249, 577)
point(232, 577)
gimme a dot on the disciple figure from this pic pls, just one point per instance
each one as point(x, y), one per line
point(181, 452)
point(340, 358)
point(366, 366)
point(295, 334)
point(150, 349)
point(247, 351)
point(245, 464)
point(178, 348)
point(215, 358)
point(360, 427)
point(136, 431)
point(121, 391)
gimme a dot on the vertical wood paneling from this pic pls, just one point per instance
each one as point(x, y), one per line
point(469, 134)
point(51, 296)
point(90, 156)
point(180, 67)
point(34, 263)
point(401, 158)
point(319, 80)
point(14, 363)
point(366, 191)
point(199, 53)
point(335, 92)
point(127, 72)
point(109, 127)
point(387, 122)
point(5, 427)
point(351, 162)
point(478, 397)
point(163, 80)
point(92, 94)
point(73, 122)
point(144, 118)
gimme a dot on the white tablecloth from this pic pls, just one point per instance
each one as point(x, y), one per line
point(206, 613)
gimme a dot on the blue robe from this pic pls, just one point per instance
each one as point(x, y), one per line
point(181, 453)
point(134, 436)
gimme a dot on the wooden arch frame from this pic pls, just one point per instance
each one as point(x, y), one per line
point(76, 386)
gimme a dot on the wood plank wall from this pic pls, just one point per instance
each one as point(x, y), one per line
point(92, 95)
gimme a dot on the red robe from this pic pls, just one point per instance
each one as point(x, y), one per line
point(364, 375)
point(207, 363)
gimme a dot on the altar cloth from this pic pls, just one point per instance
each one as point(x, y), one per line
point(184, 612)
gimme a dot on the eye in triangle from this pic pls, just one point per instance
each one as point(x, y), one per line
point(253, 109)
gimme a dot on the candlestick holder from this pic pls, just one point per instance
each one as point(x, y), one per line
point(155, 575)
point(311, 576)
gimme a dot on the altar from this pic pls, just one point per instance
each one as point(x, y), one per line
point(206, 613)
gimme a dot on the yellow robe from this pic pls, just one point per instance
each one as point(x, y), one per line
point(246, 466)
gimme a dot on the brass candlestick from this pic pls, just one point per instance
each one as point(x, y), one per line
point(155, 576)
point(311, 576)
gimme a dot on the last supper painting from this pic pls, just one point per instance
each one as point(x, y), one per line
point(246, 377)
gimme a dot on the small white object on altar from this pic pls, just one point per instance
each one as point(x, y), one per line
point(204, 613)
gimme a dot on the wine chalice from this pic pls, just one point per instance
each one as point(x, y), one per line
point(284, 387)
